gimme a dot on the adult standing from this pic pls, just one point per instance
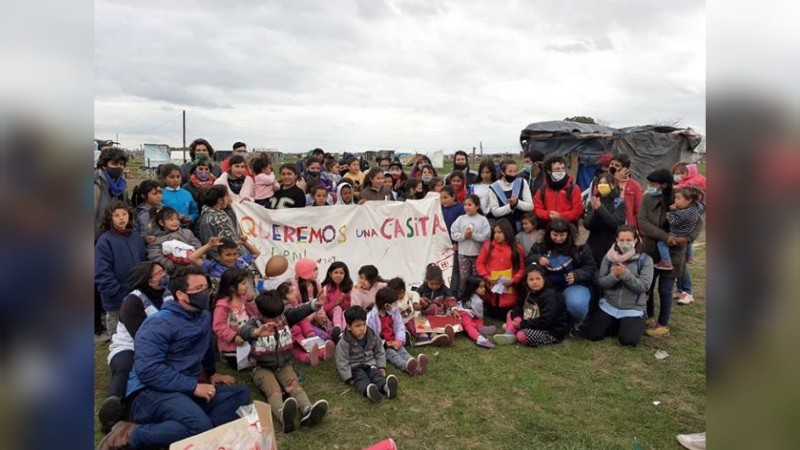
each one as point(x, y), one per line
point(630, 189)
point(604, 215)
point(416, 171)
point(239, 148)
point(198, 147)
point(461, 162)
point(559, 197)
point(687, 175)
point(173, 350)
point(532, 171)
point(510, 196)
point(317, 154)
point(653, 224)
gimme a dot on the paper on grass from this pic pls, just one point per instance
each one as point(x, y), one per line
point(243, 356)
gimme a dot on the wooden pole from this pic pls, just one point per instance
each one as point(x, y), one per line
point(184, 135)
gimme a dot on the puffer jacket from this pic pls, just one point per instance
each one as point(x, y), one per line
point(630, 290)
point(114, 256)
point(552, 312)
point(350, 354)
point(693, 179)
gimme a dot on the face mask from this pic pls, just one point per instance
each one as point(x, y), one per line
point(419, 195)
point(677, 178)
point(527, 167)
point(426, 179)
point(202, 176)
point(114, 172)
point(653, 191)
point(459, 166)
point(604, 189)
point(164, 282)
point(625, 247)
point(612, 170)
point(200, 300)
point(558, 176)
point(509, 178)
point(395, 176)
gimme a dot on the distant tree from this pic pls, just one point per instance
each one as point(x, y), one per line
point(580, 119)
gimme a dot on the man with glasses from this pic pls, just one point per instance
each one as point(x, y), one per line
point(239, 148)
point(169, 399)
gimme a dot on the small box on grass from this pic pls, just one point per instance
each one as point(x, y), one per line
point(240, 434)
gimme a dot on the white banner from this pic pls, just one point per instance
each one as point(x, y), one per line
point(399, 238)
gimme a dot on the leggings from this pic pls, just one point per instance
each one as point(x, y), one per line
point(121, 365)
point(535, 338)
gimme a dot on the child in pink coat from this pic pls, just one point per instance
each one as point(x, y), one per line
point(234, 306)
point(335, 296)
point(304, 288)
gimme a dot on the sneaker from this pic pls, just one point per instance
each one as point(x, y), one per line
point(288, 413)
point(663, 265)
point(685, 298)
point(391, 387)
point(504, 339)
point(373, 393)
point(412, 367)
point(330, 350)
point(450, 332)
point(422, 339)
point(441, 340)
point(658, 331)
point(111, 412)
point(676, 294)
point(118, 437)
point(314, 414)
point(422, 358)
point(336, 334)
point(695, 441)
point(650, 323)
point(484, 342)
point(313, 355)
point(102, 337)
point(487, 330)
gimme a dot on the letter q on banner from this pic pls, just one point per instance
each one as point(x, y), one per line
point(399, 238)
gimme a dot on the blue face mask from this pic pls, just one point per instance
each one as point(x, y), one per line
point(653, 191)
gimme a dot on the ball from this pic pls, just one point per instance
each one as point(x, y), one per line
point(276, 265)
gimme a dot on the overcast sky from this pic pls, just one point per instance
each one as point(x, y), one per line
point(397, 74)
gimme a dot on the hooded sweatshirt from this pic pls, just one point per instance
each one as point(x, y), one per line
point(694, 178)
point(339, 194)
point(143, 302)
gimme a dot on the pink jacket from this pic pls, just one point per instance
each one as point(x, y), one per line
point(247, 192)
point(693, 179)
point(265, 186)
point(226, 324)
point(309, 290)
point(365, 299)
point(329, 295)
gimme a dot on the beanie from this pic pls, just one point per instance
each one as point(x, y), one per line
point(605, 159)
point(304, 268)
point(663, 176)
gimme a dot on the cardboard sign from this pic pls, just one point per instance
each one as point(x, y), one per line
point(214, 438)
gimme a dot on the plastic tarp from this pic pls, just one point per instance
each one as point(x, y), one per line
point(652, 148)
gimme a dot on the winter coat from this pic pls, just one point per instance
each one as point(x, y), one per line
point(349, 353)
point(632, 196)
point(630, 290)
point(398, 326)
point(186, 169)
point(582, 265)
point(173, 347)
point(274, 352)
point(327, 297)
point(181, 201)
point(602, 224)
point(141, 303)
point(500, 262)
point(114, 256)
point(155, 253)
point(216, 222)
point(481, 232)
point(571, 209)
point(653, 224)
point(544, 310)
point(265, 186)
point(442, 300)
point(365, 298)
point(694, 178)
point(102, 197)
point(246, 193)
point(144, 221)
point(226, 325)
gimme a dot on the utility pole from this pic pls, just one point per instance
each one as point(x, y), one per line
point(184, 135)
point(473, 152)
point(481, 144)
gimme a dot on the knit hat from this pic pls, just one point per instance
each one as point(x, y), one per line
point(304, 268)
point(663, 176)
point(605, 159)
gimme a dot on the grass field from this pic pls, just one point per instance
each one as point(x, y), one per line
point(573, 395)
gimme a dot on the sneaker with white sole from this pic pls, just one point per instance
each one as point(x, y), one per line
point(487, 330)
point(412, 366)
point(441, 340)
point(658, 331)
point(504, 339)
point(314, 414)
point(695, 441)
point(685, 298)
point(391, 386)
point(373, 393)
point(482, 341)
point(288, 413)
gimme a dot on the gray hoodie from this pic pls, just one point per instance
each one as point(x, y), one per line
point(629, 291)
point(349, 353)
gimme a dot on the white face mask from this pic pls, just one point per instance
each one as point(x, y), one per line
point(558, 176)
point(625, 247)
point(677, 178)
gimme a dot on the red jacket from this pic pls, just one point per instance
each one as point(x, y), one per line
point(571, 209)
point(226, 165)
point(633, 200)
point(500, 261)
point(693, 179)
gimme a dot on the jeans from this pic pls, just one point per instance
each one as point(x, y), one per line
point(629, 330)
point(685, 280)
point(121, 365)
point(663, 251)
point(577, 298)
point(167, 417)
point(399, 358)
point(665, 284)
point(364, 375)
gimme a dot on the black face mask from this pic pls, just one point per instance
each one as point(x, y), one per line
point(200, 300)
point(461, 167)
point(612, 170)
point(510, 178)
point(114, 172)
point(419, 195)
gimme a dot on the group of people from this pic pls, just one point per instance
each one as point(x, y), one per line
point(174, 277)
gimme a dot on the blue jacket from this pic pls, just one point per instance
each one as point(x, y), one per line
point(182, 201)
point(114, 256)
point(172, 346)
point(451, 213)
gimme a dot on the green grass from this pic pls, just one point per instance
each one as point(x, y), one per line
point(573, 395)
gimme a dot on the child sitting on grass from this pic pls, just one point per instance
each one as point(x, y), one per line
point(408, 303)
point(470, 311)
point(386, 321)
point(233, 306)
point(363, 293)
point(226, 257)
point(270, 340)
point(304, 329)
point(436, 299)
point(361, 360)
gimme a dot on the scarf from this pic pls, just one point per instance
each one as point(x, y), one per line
point(126, 232)
point(614, 256)
point(557, 185)
point(461, 194)
point(202, 185)
point(116, 188)
point(236, 185)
